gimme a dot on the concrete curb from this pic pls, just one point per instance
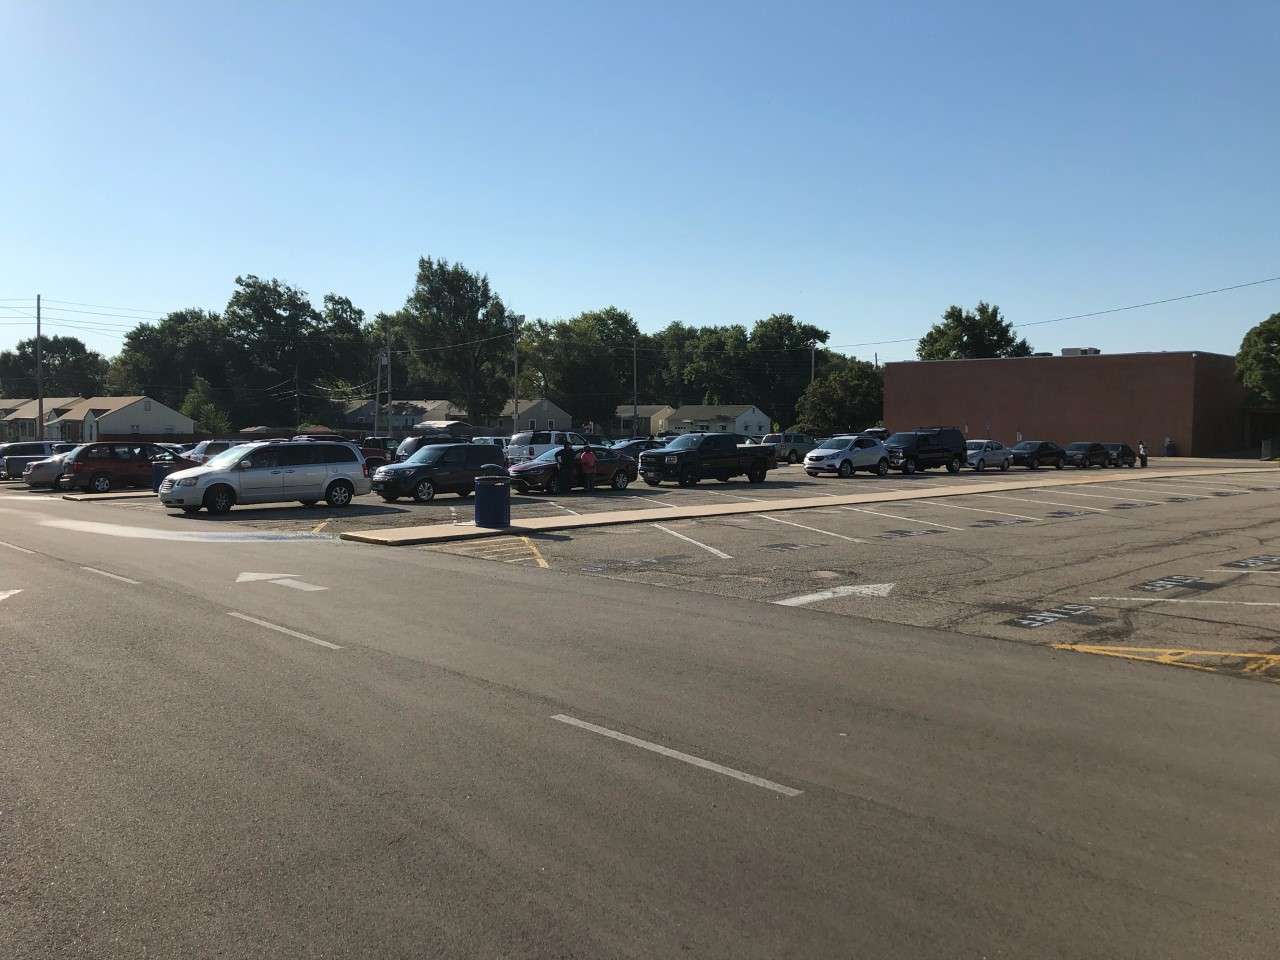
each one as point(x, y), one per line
point(121, 495)
point(444, 532)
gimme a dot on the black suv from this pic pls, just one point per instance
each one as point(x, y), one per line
point(1033, 454)
point(926, 447)
point(1120, 455)
point(1084, 454)
point(436, 468)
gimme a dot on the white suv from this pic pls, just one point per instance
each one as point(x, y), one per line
point(844, 456)
point(981, 454)
point(306, 470)
point(534, 443)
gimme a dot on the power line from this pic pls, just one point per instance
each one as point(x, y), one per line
point(102, 306)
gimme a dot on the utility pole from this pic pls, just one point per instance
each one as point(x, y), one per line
point(390, 417)
point(515, 377)
point(297, 399)
point(39, 377)
point(813, 359)
point(635, 389)
point(377, 396)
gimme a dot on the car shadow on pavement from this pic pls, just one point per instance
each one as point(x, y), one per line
point(251, 514)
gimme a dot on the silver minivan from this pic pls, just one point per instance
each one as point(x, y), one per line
point(307, 471)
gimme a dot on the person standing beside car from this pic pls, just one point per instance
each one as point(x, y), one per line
point(1142, 453)
point(587, 460)
point(564, 476)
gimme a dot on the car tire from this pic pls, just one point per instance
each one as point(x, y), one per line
point(953, 465)
point(1033, 463)
point(1060, 464)
point(219, 499)
point(1084, 464)
point(1004, 465)
point(980, 465)
point(793, 457)
point(846, 469)
point(100, 483)
point(340, 494)
point(620, 480)
point(812, 473)
point(688, 479)
point(424, 491)
point(908, 466)
point(756, 475)
point(882, 467)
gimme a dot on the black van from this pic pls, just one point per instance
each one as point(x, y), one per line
point(925, 447)
point(436, 468)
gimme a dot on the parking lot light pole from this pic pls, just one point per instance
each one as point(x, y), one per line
point(39, 377)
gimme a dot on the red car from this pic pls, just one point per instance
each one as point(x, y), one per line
point(102, 467)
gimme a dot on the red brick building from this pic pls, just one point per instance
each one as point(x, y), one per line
point(1192, 397)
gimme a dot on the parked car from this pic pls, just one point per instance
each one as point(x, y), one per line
point(375, 456)
point(207, 449)
point(103, 467)
point(437, 468)
point(698, 456)
point(880, 433)
point(920, 449)
point(845, 456)
point(1034, 454)
point(305, 470)
point(45, 473)
point(633, 448)
point(386, 444)
point(502, 442)
point(14, 457)
point(791, 447)
point(613, 469)
point(534, 443)
point(596, 440)
point(411, 445)
point(1121, 455)
point(981, 454)
point(1085, 454)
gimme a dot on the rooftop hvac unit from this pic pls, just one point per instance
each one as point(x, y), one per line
point(1080, 351)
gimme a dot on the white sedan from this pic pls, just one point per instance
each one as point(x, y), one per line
point(981, 454)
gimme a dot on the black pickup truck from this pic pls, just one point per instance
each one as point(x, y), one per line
point(698, 456)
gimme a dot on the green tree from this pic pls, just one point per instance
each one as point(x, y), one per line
point(583, 364)
point(201, 406)
point(459, 333)
point(70, 369)
point(972, 335)
point(160, 360)
point(779, 363)
point(850, 396)
point(1258, 362)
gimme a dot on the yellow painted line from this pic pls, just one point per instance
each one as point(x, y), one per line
point(537, 554)
point(320, 526)
point(1256, 662)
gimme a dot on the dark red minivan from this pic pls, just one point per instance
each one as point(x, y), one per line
point(102, 467)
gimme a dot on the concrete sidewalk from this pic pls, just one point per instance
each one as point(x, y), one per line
point(113, 495)
point(442, 532)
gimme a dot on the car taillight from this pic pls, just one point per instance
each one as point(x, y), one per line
point(365, 465)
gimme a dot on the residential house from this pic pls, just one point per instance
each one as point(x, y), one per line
point(101, 417)
point(744, 418)
point(359, 415)
point(7, 406)
point(643, 418)
point(540, 414)
point(21, 423)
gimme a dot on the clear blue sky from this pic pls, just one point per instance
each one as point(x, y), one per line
point(861, 166)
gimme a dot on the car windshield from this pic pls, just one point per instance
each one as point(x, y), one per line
point(227, 457)
point(901, 439)
point(521, 439)
point(973, 445)
point(686, 442)
point(1080, 446)
point(834, 443)
point(773, 438)
point(1027, 445)
point(427, 454)
point(550, 454)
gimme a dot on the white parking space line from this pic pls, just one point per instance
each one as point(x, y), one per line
point(998, 513)
point(1227, 484)
point(697, 543)
point(285, 630)
point(1103, 496)
point(1273, 573)
point(14, 546)
point(1167, 491)
point(678, 755)
point(113, 576)
point(1042, 503)
point(894, 516)
point(1219, 603)
point(564, 508)
point(731, 496)
point(825, 533)
point(661, 503)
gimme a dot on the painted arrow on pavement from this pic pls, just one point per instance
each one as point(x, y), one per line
point(279, 579)
point(852, 590)
point(6, 594)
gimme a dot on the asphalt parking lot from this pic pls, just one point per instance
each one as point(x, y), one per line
point(1182, 571)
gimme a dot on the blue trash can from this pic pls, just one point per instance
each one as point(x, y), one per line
point(158, 472)
point(493, 501)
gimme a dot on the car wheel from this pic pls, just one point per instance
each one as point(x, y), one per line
point(953, 465)
point(1033, 464)
point(424, 492)
point(100, 483)
point(688, 478)
point(980, 465)
point(1084, 464)
point(620, 480)
point(339, 494)
point(1060, 464)
point(812, 473)
point(793, 457)
point(1004, 465)
point(846, 469)
point(218, 500)
point(756, 475)
point(882, 467)
point(909, 466)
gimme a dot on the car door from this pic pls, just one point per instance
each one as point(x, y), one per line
point(451, 469)
point(304, 471)
point(259, 476)
point(863, 453)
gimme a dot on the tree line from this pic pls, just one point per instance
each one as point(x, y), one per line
point(273, 357)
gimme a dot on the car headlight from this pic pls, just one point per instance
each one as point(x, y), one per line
point(186, 482)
